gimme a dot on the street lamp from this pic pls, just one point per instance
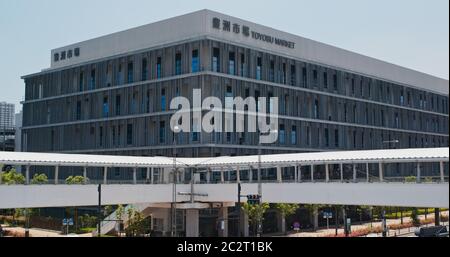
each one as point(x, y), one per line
point(176, 129)
point(259, 232)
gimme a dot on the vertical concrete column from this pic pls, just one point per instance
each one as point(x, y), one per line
point(192, 223)
point(299, 173)
point(250, 174)
point(341, 169)
point(441, 171)
point(418, 173)
point(208, 176)
point(279, 175)
point(134, 175)
point(315, 216)
point(27, 175)
point(380, 171)
point(56, 174)
point(244, 224)
point(312, 173)
point(367, 172)
point(222, 180)
point(296, 173)
point(223, 216)
point(105, 175)
point(327, 173)
point(238, 175)
point(147, 175)
point(152, 170)
point(354, 172)
point(84, 175)
point(281, 222)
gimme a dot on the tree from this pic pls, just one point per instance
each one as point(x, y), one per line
point(73, 180)
point(12, 177)
point(286, 209)
point(312, 209)
point(415, 217)
point(39, 179)
point(255, 212)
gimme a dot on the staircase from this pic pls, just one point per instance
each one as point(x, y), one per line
point(109, 223)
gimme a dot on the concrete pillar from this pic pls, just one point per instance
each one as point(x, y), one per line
point(281, 222)
point(315, 216)
point(250, 174)
point(222, 180)
point(354, 172)
point(223, 222)
point(327, 173)
point(367, 173)
point(192, 223)
point(84, 175)
point(341, 169)
point(312, 173)
point(279, 175)
point(380, 171)
point(105, 175)
point(27, 175)
point(238, 175)
point(208, 176)
point(134, 175)
point(299, 173)
point(418, 173)
point(441, 170)
point(244, 224)
point(147, 175)
point(296, 173)
point(56, 174)
point(152, 175)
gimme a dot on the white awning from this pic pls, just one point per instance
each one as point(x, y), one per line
point(273, 160)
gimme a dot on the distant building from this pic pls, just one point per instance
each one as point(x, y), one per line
point(6, 115)
point(18, 139)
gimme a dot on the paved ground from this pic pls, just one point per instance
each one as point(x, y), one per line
point(37, 232)
point(331, 231)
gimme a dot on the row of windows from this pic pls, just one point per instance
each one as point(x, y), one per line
point(284, 72)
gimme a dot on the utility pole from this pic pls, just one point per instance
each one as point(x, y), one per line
point(99, 210)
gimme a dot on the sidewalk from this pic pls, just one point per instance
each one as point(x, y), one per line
point(37, 232)
point(331, 231)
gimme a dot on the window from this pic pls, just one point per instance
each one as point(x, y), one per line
point(293, 76)
point(147, 101)
point(101, 135)
point(113, 135)
point(77, 51)
point(231, 63)
point(315, 76)
point(258, 68)
point(158, 68)
point(316, 108)
point(119, 75)
point(144, 72)
point(382, 117)
point(129, 134)
point(325, 80)
point(282, 135)
point(40, 91)
point(163, 99)
point(243, 72)
point(195, 61)
point(335, 82)
point(272, 71)
point(304, 76)
point(162, 132)
point(92, 80)
point(294, 135)
point(80, 82)
point(216, 60)
point(336, 138)
point(117, 105)
point(283, 74)
point(56, 57)
point(63, 55)
point(133, 103)
point(327, 138)
point(308, 135)
point(78, 114)
point(105, 107)
point(177, 63)
point(353, 86)
point(397, 121)
point(130, 74)
point(402, 99)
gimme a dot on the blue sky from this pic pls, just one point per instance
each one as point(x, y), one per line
point(411, 33)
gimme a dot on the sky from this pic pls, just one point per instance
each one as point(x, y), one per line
point(410, 33)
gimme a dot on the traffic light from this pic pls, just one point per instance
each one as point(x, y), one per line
point(253, 199)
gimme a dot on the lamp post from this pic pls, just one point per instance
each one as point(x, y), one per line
point(174, 185)
point(259, 228)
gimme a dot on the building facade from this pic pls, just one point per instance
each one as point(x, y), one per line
point(6, 115)
point(111, 95)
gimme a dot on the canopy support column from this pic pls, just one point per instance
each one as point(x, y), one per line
point(341, 169)
point(418, 173)
point(56, 174)
point(134, 175)
point(105, 175)
point(367, 172)
point(441, 170)
point(84, 175)
point(327, 173)
point(380, 171)
point(312, 172)
point(27, 175)
point(354, 173)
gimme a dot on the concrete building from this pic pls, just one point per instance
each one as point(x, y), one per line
point(6, 126)
point(111, 95)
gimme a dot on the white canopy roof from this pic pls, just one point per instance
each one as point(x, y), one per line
point(366, 156)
